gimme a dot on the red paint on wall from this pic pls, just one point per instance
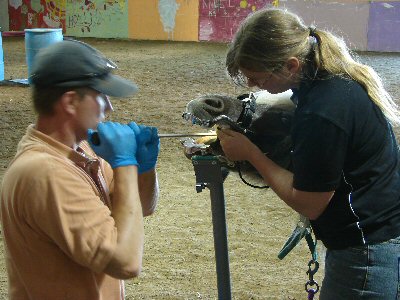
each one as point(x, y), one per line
point(48, 14)
point(219, 20)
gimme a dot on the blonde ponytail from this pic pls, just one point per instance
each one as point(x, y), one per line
point(335, 58)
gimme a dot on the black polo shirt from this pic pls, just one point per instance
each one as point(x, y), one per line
point(342, 142)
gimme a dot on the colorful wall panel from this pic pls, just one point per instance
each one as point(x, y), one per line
point(364, 25)
point(4, 20)
point(218, 20)
point(36, 14)
point(384, 26)
point(97, 18)
point(348, 19)
point(164, 20)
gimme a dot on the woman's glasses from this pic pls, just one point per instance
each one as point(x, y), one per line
point(259, 82)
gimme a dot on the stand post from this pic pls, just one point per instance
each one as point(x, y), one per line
point(208, 174)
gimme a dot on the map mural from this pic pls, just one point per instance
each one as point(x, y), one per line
point(167, 10)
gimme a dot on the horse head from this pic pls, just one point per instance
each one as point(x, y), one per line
point(267, 121)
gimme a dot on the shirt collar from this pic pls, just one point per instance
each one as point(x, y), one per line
point(55, 145)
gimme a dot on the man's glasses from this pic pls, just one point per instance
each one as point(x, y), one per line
point(104, 104)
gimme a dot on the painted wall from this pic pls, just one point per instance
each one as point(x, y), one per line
point(4, 21)
point(345, 18)
point(105, 19)
point(384, 26)
point(365, 25)
point(164, 20)
point(219, 20)
point(36, 14)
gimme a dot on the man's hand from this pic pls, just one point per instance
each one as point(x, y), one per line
point(117, 146)
point(148, 146)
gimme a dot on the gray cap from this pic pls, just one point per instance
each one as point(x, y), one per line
point(71, 63)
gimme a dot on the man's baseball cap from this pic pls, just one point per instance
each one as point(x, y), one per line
point(72, 63)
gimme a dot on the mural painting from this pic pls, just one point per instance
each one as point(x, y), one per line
point(364, 25)
point(25, 14)
point(94, 18)
point(219, 19)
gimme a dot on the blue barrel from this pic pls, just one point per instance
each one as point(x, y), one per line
point(38, 38)
point(1, 59)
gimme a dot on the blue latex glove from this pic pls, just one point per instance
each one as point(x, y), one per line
point(148, 146)
point(118, 145)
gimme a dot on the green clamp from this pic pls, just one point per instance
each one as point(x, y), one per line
point(303, 229)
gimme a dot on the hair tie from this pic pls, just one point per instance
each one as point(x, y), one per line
point(312, 29)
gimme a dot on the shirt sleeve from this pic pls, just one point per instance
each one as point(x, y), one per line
point(319, 152)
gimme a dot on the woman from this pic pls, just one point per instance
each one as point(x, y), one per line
point(345, 176)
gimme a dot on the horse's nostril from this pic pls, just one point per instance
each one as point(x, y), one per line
point(213, 103)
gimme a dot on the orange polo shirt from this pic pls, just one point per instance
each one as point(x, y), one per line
point(58, 230)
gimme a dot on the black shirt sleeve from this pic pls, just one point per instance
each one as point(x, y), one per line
point(319, 151)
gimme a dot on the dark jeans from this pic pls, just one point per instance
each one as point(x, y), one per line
point(367, 272)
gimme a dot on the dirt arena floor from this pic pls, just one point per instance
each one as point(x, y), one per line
point(179, 253)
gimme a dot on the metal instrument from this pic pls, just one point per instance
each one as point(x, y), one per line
point(96, 140)
point(174, 135)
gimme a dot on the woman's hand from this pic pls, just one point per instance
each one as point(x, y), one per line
point(236, 146)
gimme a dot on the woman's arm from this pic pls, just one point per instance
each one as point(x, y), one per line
point(238, 147)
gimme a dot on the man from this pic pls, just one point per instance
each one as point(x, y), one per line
point(73, 222)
